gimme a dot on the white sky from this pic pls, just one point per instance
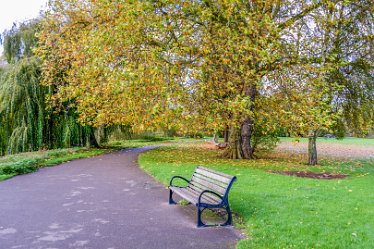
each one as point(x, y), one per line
point(17, 11)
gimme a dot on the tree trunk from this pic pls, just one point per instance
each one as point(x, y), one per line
point(234, 150)
point(312, 148)
point(102, 134)
point(239, 144)
point(215, 138)
point(91, 139)
point(225, 143)
point(246, 131)
point(226, 134)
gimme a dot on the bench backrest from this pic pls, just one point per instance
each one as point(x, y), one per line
point(208, 179)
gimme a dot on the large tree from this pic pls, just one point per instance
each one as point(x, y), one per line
point(329, 88)
point(108, 59)
point(186, 64)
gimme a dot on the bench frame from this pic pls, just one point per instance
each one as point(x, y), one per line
point(200, 204)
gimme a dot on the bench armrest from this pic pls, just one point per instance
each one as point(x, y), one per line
point(177, 177)
point(208, 191)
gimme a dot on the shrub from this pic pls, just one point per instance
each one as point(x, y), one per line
point(22, 167)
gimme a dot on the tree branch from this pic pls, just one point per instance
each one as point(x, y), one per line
point(300, 15)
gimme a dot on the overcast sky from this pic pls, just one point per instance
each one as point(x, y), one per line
point(17, 11)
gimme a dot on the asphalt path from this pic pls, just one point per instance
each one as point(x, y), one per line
point(103, 202)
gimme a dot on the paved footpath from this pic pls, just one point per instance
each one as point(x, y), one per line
point(103, 202)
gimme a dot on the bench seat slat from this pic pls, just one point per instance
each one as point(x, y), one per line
point(210, 198)
point(193, 196)
point(214, 181)
point(208, 184)
point(216, 172)
point(184, 194)
point(213, 176)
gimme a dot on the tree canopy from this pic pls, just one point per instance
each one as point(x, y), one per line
point(254, 66)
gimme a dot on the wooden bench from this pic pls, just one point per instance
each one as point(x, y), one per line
point(206, 189)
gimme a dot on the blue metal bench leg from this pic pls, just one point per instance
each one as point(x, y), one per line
point(199, 222)
point(229, 216)
point(171, 201)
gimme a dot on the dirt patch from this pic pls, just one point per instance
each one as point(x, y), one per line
point(210, 145)
point(329, 150)
point(307, 174)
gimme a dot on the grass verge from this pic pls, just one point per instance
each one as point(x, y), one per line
point(28, 162)
point(146, 141)
point(284, 211)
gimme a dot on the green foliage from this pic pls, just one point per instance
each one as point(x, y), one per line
point(2, 139)
point(263, 137)
point(340, 129)
point(154, 138)
point(20, 40)
point(264, 143)
point(4, 177)
point(27, 123)
point(21, 100)
point(23, 167)
point(282, 211)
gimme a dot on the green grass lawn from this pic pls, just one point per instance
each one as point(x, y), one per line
point(133, 143)
point(28, 162)
point(147, 141)
point(283, 211)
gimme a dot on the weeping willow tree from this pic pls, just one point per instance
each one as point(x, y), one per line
point(2, 128)
point(22, 106)
point(27, 123)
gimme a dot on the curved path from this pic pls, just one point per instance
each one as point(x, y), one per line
point(103, 202)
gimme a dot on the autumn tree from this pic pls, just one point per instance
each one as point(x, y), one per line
point(308, 50)
point(105, 56)
point(327, 88)
point(190, 64)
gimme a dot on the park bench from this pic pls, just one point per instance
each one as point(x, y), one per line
point(207, 188)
